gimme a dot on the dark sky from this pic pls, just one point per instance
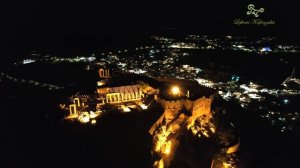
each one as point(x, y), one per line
point(36, 24)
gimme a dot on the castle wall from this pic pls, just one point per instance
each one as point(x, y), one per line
point(202, 106)
point(199, 107)
point(178, 104)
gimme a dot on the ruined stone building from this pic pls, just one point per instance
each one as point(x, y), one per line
point(119, 94)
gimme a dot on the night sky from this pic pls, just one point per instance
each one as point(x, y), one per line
point(52, 25)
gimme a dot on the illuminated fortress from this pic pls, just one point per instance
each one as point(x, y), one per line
point(166, 130)
point(187, 107)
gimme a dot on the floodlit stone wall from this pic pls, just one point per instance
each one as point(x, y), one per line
point(202, 106)
point(178, 104)
point(198, 107)
point(172, 109)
